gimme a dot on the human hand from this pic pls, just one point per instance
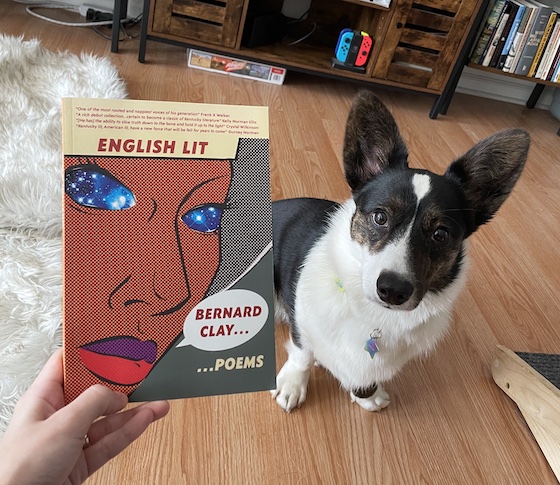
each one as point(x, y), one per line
point(44, 442)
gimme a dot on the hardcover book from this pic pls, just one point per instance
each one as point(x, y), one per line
point(520, 38)
point(492, 17)
point(536, 32)
point(497, 34)
point(167, 249)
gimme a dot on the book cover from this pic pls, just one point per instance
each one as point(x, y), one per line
point(542, 44)
point(520, 38)
point(511, 33)
point(167, 259)
point(489, 26)
point(535, 36)
point(497, 34)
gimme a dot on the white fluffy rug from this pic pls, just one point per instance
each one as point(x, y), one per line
point(32, 82)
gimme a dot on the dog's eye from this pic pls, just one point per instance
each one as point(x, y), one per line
point(440, 235)
point(380, 218)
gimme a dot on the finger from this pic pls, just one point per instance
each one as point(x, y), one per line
point(110, 424)
point(94, 402)
point(47, 388)
point(112, 444)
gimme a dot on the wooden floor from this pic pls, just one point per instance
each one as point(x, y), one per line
point(448, 423)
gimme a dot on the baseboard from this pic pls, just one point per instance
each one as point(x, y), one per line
point(501, 88)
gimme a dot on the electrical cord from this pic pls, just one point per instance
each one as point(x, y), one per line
point(70, 8)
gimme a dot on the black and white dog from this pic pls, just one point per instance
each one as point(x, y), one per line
point(369, 284)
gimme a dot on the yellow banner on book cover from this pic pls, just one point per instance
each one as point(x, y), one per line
point(114, 127)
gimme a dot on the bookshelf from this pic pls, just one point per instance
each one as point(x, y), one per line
point(520, 39)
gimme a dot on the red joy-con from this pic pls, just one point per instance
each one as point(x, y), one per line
point(365, 48)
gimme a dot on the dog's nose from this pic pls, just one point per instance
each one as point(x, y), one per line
point(393, 289)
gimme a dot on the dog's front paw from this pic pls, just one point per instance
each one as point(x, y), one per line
point(379, 400)
point(291, 388)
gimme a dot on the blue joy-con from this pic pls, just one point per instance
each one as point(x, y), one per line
point(343, 45)
point(343, 31)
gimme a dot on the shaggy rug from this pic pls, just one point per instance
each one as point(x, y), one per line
point(33, 80)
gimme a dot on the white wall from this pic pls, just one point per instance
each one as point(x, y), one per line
point(135, 7)
point(503, 88)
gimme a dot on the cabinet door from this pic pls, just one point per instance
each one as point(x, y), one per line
point(202, 20)
point(423, 41)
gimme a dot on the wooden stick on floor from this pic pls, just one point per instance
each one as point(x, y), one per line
point(537, 399)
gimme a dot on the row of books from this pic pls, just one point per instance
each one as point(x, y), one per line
point(520, 37)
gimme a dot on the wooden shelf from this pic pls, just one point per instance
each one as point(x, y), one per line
point(367, 4)
point(509, 74)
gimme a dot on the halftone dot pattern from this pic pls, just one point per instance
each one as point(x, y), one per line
point(95, 233)
point(247, 223)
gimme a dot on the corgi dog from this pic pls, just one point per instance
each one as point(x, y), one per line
point(368, 284)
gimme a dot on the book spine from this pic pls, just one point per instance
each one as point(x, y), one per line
point(489, 26)
point(496, 36)
point(555, 64)
point(511, 35)
point(524, 37)
point(548, 56)
point(542, 44)
point(535, 37)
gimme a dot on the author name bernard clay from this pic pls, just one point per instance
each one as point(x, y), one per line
point(130, 145)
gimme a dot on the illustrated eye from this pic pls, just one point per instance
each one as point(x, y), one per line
point(91, 186)
point(204, 218)
point(440, 235)
point(380, 218)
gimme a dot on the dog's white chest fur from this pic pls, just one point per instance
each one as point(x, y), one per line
point(335, 318)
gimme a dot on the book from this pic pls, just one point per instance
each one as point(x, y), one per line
point(499, 52)
point(536, 32)
point(167, 249)
point(497, 34)
point(555, 77)
point(554, 66)
point(491, 19)
point(549, 52)
point(542, 44)
point(512, 31)
point(235, 67)
point(520, 38)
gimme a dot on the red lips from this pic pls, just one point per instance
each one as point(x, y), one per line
point(119, 360)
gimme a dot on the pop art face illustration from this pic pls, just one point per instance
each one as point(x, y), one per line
point(145, 235)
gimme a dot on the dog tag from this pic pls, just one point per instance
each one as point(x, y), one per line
point(371, 343)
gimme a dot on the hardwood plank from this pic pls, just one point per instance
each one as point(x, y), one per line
point(448, 422)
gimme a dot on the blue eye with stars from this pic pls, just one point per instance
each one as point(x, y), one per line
point(91, 186)
point(204, 218)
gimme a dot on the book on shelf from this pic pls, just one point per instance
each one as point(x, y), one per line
point(521, 37)
point(167, 258)
point(549, 52)
point(489, 23)
point(497, 34)
point(509, 33)
point(533, 41)
point(551, 76)
point(542, 44)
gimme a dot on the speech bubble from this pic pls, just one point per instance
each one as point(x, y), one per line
point(225, 320)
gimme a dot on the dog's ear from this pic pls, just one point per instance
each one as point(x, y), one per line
point(372, 142)
point(489, 170)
